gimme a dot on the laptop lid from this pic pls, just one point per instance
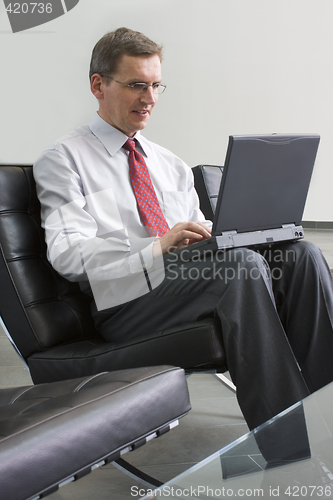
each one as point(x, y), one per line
point(265, 182)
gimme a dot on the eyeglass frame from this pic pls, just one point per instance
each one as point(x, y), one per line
point(144, 86)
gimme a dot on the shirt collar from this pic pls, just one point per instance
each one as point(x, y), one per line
point(111, 138)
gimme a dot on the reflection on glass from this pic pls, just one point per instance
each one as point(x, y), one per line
point(290, 456)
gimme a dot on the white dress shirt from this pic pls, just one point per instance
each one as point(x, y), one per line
point(89, 211)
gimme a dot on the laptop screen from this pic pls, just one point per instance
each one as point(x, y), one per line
point(265, 182)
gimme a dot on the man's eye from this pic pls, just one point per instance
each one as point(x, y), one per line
point(138, 86)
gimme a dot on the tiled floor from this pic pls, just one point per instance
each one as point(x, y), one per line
point(214, 421)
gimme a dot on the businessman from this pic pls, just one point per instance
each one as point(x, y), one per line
point(117, 207)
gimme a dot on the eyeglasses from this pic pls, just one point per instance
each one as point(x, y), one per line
point(140, 88)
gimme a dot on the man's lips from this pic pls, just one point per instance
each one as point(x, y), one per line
point(141, 112)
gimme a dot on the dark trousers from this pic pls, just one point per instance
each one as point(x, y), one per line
point(276, 315)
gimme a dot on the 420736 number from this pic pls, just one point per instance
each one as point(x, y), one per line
point(29, 8)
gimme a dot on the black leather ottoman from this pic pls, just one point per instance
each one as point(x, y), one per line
point(53, 432)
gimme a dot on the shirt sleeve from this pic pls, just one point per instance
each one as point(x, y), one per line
point(116, 266)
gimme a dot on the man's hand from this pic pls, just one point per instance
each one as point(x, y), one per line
point(181, 235)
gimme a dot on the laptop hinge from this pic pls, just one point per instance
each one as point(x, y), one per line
point(288, 225)
point(229, 233)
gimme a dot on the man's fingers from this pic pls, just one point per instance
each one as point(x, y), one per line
point(182, 234)
point(188, 229)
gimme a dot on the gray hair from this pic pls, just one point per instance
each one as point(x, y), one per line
point(112, 46)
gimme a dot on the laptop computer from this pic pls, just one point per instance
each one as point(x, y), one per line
point(263, 190)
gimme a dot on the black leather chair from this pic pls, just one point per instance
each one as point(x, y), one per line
point(54, 433)
point(48, 318)
point(207, 180)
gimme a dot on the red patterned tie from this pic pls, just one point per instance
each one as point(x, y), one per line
point(149, 208)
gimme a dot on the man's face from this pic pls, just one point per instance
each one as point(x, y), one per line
point(119, 105)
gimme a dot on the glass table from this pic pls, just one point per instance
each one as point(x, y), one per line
point(288, 457)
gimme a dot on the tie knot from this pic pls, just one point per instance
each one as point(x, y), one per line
point(130, 145)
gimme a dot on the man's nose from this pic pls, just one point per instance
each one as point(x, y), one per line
point(149, 97)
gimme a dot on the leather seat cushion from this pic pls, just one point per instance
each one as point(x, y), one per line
point(51, 431)
point(193, 345)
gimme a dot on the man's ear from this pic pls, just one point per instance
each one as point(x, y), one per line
point(96, 86)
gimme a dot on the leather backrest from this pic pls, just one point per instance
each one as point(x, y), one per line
point(40, 308)
point(207, 180)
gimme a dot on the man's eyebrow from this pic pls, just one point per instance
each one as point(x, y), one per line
point(141, 81)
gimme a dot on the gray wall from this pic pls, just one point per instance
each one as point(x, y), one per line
point(231, 67)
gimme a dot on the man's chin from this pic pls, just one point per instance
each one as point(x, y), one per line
point(139, 126)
